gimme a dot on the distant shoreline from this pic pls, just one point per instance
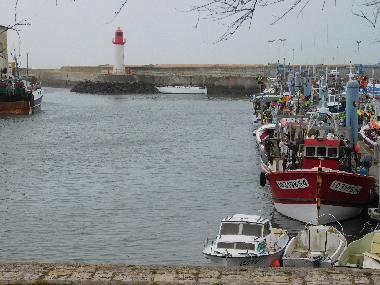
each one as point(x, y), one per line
point(220, 79)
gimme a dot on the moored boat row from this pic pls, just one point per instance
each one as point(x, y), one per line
point(250, 240)
point(310, 157)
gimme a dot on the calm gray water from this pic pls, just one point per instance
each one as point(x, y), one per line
point(138, 179)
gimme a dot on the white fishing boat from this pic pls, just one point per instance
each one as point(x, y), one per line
point(182, 89)
point(373, 88)
point(369, 135)
point(264, 132)
point(247, 240)
point(316, 246)
point(362, 253)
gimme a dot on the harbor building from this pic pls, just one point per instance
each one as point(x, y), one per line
point(3, 49)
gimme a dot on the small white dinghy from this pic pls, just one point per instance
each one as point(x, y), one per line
point(316, 246)
point(247, 240)
point(182, 89)
point(363, 253)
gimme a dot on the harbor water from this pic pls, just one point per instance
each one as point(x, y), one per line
point(140, 179)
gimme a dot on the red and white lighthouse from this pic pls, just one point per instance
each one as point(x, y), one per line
point(119, 43)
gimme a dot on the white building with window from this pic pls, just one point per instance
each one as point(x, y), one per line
point(3, 48)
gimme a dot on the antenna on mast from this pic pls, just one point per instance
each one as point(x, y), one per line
point(351, 75)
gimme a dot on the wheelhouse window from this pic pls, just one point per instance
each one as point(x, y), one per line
point(119, 34)
point(252, 230)
point(245, 246)
point(227, 245)
point(321, 151)
point(229, 229)
point(332, 152)
point(310, 151)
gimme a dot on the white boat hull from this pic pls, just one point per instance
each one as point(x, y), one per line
point(37, 96)
point(366, 139)
point(316, 246)
point(311, 215)
point(182, 90)
point(257, 261)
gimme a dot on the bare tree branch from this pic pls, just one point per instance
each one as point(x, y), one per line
point(236, 13)
point(369, 11)
point(17, 23)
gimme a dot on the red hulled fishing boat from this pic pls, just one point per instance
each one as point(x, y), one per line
point(328, 183)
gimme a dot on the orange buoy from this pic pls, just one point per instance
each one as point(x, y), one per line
point(276, 263)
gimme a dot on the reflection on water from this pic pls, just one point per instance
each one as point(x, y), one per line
point(126, 179)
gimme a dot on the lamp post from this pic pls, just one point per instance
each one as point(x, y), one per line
point(293, 55)
point(271, 42)
point(358, 42)
point(283, 44)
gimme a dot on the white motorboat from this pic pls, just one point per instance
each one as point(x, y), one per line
point(362, 253)
point(247, 240)
point(181, 89)
point(316, 246)
point(369, 135)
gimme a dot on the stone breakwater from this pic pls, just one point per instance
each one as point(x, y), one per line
point(98, 87)
point(35, 273)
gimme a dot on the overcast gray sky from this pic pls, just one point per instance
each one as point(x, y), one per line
point(159, 32)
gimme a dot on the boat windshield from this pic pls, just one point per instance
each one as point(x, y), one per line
point(332, 152)
point(252, 230)
point(227, 245)
point(237, 245)
point(229, 229)
point(241, 229)
point(321, 151)
point(310, 151)
point(245, 246)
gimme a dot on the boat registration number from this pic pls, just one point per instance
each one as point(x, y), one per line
point(293, 184)
point(345, 188)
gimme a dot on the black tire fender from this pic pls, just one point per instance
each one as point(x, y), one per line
point(263, 179)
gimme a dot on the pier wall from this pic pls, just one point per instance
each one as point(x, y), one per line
point(220, 79)
point(34, 273)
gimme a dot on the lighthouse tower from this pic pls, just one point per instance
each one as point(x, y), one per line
point(119, 43)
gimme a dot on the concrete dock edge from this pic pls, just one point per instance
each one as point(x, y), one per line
point(43, 273)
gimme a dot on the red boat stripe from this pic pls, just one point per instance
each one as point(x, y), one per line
point(294, 201)
point(323, 202)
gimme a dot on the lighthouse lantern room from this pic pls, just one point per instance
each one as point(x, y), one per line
point(119, 43)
